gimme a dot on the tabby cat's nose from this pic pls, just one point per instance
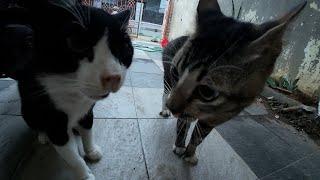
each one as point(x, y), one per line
point(112, 81)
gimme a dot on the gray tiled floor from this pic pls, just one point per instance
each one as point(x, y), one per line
point(137, 143)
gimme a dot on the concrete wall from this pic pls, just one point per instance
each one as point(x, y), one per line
point(183, 17)
point(301, 55)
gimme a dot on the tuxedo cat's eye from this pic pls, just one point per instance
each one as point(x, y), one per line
point(206, 93)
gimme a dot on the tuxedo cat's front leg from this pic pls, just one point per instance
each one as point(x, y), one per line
point(200, 132)
point(93, 152)
point(67, 148)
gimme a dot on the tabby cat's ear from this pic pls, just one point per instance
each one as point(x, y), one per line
point(270, 40)
point(205, 5)
point(123, 17)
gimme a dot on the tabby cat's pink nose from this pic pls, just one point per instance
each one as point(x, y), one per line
point(111, 80)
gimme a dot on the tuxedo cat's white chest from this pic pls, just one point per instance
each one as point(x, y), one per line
point(67, 98)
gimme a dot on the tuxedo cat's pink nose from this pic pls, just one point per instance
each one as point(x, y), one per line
point(111, 80)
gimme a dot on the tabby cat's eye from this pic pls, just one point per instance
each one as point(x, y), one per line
point(206, 93)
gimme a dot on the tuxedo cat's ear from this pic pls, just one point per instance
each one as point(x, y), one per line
point(269, 44)
point(205, 5)
point(123, 17)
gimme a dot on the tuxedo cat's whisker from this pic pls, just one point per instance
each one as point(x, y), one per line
point(70, 7)
point(71, 81)
point(240, 11)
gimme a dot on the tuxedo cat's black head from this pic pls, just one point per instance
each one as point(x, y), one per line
point(223, 66)
point(84, 48)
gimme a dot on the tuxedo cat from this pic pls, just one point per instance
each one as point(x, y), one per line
point(80, 55)
point(214, 73)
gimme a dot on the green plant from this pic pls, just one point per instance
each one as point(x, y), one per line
point(271, 82)
point(288, 84)
point(283, 83)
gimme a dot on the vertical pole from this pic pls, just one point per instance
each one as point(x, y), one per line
point(167, 19)
point(140, 17)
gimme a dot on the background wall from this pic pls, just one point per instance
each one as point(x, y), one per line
point(301, 54)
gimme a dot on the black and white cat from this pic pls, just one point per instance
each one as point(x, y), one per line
point(80, 55)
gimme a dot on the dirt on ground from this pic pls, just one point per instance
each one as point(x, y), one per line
point(299, 118)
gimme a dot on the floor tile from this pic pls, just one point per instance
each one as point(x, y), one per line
point(308, 168)
point(10, 108)
point(256, 109)
point(263, 151)
point(300, 143)
point(148, 102)
point(123, 157)
point(145, 66)
point(146, 80)
point(159, 64)
point(217, 160)
point(127, 81)
point(140, 54)
point(121, 146)
point(157, 56)
point(117, 105)
point(9, 94)
point(5, 83)
point(15, 140)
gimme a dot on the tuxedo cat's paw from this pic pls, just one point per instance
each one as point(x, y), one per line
point(165, 113)
point(192, 160)
point(88, 177)
point(95, 154)
point(43, 138)
point(179, 151)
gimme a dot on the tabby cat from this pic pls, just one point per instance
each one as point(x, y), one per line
point(214, 73)
point(79, 55)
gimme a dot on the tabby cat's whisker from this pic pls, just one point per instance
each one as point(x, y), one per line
point(167, 85)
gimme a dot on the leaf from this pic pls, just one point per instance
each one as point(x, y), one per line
point(284, 83)
point(272, 83)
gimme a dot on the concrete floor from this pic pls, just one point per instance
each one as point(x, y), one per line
point(137, 143)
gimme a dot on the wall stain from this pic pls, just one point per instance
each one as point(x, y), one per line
point(251, 16)
point(309, 71)
point(314, 6)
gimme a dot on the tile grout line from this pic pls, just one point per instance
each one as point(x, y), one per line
point(235, 152)
point(140, 136)
point(290, 164)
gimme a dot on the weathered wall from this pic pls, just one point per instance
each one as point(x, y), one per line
point(301, 54)
point(183, 18)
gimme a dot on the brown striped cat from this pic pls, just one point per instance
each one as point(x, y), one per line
point(214, 73)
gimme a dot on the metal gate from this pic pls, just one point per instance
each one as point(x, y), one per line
point(114, 6)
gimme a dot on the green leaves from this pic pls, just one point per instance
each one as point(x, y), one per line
point(272, 83)
point(284, 83)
